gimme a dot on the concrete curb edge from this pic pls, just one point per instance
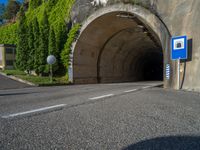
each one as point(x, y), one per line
point(18, 79)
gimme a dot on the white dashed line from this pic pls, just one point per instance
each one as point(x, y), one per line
point(100, 97)
point(146, 87)
point(129, 91)
point(55, 107)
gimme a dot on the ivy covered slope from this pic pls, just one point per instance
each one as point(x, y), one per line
point(58, 16)
point(8, 34)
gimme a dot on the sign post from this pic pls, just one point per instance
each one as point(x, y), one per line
point(179, 52)
point(178, 78)
point(51, 59)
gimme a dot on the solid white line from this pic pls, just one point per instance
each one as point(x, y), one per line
point(33, 111)
point(100, 97)
point(130, 91)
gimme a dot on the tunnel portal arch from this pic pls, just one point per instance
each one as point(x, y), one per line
point(117, 43)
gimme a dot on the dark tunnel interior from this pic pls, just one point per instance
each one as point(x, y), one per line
point(151, 67)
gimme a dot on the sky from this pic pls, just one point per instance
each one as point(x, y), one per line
point(5, 1)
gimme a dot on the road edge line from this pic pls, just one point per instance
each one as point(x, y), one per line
point(33, 111)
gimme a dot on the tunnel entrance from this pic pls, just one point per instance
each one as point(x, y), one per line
point(121, 46)
point(132, 54)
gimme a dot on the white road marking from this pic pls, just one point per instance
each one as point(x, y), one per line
point(129, 91)
point(146, 87)
point(100, 97)
point(33, 111)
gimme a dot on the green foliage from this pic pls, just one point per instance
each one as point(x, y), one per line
point(72, 35)
point(58, 16)
point(42, 54)
point(35, 3)
point(43, 81)
point(31, 48)
point(22, 48)
point(36, 32)
point(58, 80)
point(43, 45)
point(45, 27)
point(41, 15)
point(53, 48)
point(13, 72)
point(8, 34)
point(52, 43)
point(51, 3)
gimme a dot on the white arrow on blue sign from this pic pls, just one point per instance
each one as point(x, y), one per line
point(179, 48)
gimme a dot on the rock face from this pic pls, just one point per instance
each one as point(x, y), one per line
point(181, 17)
point(84, 8)
point(81, 10)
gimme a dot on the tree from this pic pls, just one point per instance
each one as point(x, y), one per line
point(12, 9)
point(22, 43)
point(43, 48)
point(36, 32)
point(61, 36)
point(30, 63)
point(2, 9)
point(52, 43)
point(34, 3)
point(42, 54)
point(45, 29)
point(53, 48)
point(52, 3)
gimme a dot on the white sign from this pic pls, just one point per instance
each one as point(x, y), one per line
point(51, 59)
point(179, 44)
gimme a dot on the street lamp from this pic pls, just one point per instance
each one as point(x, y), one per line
point(51, 59)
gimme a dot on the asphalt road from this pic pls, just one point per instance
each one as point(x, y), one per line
point(7, 83)
point(101, 117)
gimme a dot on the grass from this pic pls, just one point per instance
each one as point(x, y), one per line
point(13, 72)
point(41, 81)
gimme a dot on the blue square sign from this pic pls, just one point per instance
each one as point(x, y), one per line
point(179, 48)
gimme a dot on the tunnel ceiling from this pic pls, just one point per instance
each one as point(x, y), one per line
point(115, 47)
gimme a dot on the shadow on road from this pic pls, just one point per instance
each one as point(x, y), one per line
point(13, 94)
point(168, 143)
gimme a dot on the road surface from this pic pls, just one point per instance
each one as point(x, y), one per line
point(7, 83)
point(101, 117)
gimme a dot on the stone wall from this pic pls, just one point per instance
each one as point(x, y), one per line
point(181, 17)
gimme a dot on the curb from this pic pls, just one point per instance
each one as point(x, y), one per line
point(18, 79)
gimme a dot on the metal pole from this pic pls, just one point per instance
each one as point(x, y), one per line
point(178, 78)
point(51, 74)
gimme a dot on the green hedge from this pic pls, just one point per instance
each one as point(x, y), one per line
point(59, 15)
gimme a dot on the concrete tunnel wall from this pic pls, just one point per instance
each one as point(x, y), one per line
point(116, 49)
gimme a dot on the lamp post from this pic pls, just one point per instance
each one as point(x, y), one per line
point(51, 59)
